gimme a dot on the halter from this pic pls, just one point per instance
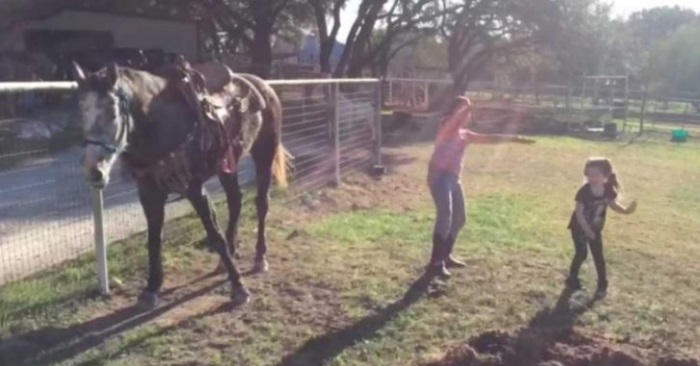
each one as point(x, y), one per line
point(123, 127)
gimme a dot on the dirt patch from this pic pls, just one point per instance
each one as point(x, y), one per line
point(550, 347)
point(362, 192)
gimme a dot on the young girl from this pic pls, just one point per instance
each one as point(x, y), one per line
point(445, 185)
point(592, 199)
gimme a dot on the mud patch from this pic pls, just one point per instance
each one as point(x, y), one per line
point(549, 347)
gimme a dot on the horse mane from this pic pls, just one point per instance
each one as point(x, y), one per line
point(143, 85)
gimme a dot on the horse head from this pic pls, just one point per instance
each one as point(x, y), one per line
point(104, 110)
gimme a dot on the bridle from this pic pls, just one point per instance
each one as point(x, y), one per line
point(125, 116)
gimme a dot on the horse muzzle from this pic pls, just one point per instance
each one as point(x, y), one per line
point(96, 178)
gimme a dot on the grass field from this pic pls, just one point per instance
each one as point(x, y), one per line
point(345, 287)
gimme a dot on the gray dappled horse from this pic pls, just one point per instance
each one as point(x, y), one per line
point(145, 119)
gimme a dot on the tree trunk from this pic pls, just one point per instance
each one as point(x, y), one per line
point(355, 70)
point(261, 53)
point(643, 110)
point(326, 49)
point(360, 34)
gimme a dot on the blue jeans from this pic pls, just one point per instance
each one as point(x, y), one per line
point(446, 189)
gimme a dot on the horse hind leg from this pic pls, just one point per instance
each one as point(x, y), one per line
point(200, 201)
point(263, 153)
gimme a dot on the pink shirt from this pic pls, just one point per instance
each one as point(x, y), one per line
point(449, 153)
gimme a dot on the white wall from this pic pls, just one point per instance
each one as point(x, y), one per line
point(129, 32)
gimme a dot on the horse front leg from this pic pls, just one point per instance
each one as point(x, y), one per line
point(153, 203)
point(197, 195)
point(234, 198)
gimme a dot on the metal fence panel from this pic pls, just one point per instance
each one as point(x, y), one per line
point(46, 216)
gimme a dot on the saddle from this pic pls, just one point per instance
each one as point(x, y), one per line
point(218, 98)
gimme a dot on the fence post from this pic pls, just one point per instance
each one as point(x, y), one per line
point(378, 128)
point(100, 243)
point(336, 134)
point(390, 97)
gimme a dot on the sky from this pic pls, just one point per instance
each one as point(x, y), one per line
point(620, 8)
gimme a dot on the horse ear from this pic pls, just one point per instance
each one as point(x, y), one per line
point(112, 75)
point(78, 74)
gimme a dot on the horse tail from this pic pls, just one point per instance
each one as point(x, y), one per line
point(281, 165)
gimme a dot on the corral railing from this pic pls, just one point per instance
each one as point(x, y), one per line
point(48, 214)
point(414, 94)
point(577, 107)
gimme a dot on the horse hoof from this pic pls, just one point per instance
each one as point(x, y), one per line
point(240, 296)
point(261, 266)
point(148, 300)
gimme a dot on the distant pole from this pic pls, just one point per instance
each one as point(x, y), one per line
point(336, 134)
point(378, 125)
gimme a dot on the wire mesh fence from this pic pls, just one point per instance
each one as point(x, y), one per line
point(46, 214)
point(44, 211)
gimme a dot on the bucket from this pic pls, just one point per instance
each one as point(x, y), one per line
point(679, 135)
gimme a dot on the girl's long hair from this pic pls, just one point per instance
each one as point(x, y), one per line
point(606, 167)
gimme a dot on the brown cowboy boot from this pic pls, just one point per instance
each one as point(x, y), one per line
point(450, 261)
point(436, 266)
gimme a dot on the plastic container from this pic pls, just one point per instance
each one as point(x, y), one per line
point(679, 135)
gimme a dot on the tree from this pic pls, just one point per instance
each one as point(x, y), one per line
point(326, 34)
point(404, 24)
point(479, 30)
point(650, 26)
point(253, 23)
point(646, 29)
point(380, 30)
point(675, 63)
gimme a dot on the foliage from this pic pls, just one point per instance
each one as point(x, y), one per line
point(675, 63)
point(379, 31)
point(479, 31)
point(431, 53)
point(556, 40)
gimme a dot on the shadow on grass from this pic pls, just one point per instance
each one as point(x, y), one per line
point(562, 315)
point(394, 160)
point(51, 345)
point(319, 350)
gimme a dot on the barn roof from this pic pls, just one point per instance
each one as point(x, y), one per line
point(13, 11)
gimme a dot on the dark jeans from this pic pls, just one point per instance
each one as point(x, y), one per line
point(581, 244)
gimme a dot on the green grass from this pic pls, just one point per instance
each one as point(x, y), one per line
point(337, 290)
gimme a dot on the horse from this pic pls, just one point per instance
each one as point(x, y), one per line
point(141, 118)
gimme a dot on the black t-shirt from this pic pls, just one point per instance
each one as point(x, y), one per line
point(594, 207)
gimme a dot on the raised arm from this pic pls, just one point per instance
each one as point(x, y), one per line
point(453, 122)
point(479, 138)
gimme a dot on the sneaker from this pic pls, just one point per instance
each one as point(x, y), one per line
point(602, 290)
point(573, 283)
point(439, 270)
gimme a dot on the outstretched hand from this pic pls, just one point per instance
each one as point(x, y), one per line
point(631, 208)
